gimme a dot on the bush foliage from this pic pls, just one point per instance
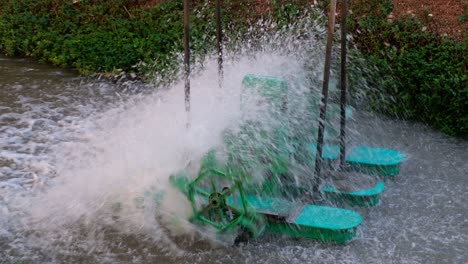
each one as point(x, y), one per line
point(423, 76)
point(103, 36)
point(93, 36)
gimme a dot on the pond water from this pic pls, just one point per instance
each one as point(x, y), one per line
point(71, 146)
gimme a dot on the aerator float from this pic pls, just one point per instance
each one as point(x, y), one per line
point(247, 186)
point(220, 200)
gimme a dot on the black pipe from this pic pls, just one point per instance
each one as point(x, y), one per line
point(324, 98)
point(219, 37)
point(187, 53)
point(344, 13)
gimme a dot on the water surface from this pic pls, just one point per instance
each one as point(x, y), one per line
point(70, 143)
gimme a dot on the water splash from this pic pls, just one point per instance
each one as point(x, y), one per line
point(110, 167)
point(107, 168)
point(84, 174)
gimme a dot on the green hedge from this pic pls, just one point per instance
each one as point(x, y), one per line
point(422, 77)
point(93, 36)
point(103, 36)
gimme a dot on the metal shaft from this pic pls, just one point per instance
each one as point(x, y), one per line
point(344, 13)
point(324, 98)
point(219, 37)
point(187, 53)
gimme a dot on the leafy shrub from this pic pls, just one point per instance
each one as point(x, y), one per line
point(423, 76)
point(419, 76)
point(93, 36)
point(101, 36)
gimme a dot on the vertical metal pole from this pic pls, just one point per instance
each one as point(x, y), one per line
point(187, 53)
point(219, 36)
point(344, 13)
point(324, 98)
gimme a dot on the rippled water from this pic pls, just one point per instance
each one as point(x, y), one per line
point(70, 147)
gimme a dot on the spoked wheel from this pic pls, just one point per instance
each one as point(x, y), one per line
point(218, 200)
point(211, 207)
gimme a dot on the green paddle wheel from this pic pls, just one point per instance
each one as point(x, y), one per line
point(257, 157)
point(208, 194)
point(262, 145)
point(249, 191)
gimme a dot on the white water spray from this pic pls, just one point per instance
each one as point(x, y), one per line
point(115, 172)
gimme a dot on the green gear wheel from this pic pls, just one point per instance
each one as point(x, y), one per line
point(224, 208)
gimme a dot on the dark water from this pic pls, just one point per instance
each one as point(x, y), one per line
point(422, 217)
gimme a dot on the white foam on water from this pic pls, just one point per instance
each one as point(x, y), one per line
point(86, 180)
point(114, 169)
point(76, 168)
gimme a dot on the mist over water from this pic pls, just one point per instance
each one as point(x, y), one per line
point(84, 168)
point(108, 166)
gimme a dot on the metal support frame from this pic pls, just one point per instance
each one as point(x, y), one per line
point(324, 97)
point(187, 53)
point(325, 83)
point(344, 13)
point(219, 37)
